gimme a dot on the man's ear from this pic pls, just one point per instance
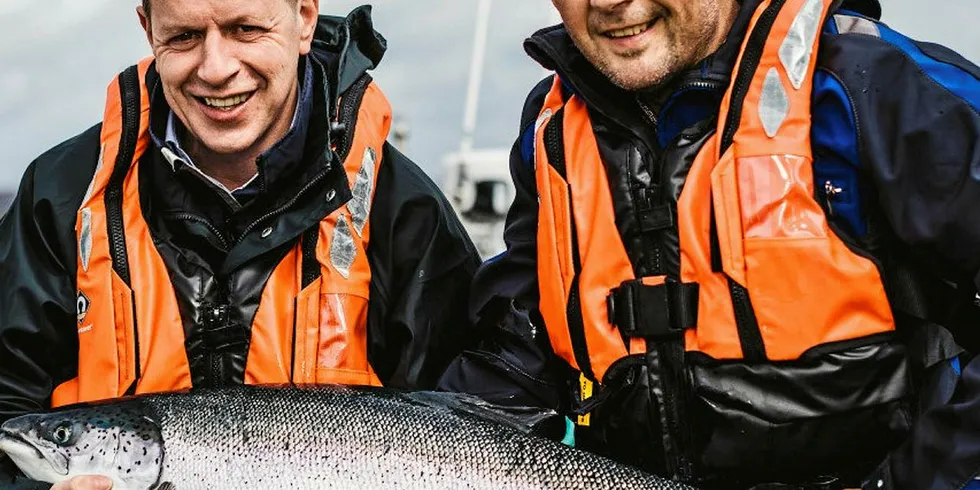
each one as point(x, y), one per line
point(145, 22)
point(309, 13)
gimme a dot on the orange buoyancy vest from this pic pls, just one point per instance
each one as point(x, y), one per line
point(776, 282)
point(131, 338)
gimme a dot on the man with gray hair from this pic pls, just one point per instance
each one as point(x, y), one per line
point(743, 250)
point(237, 217)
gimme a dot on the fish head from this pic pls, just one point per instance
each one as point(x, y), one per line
point(116, 442)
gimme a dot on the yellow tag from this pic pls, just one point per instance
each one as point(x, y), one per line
point(585, 387)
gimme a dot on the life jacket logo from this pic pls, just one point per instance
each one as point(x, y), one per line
point(82, 304)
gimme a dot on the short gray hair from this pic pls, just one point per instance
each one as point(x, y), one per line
point(146, 6)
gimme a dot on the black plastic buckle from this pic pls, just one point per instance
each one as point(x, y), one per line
point(664, 310)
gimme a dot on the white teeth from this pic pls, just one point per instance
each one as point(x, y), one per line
point(628, 31)
point(226, 103)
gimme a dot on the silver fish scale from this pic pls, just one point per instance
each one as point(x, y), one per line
point(344, 438)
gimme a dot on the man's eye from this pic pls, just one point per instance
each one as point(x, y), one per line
point(183, 38)
point(249, 30)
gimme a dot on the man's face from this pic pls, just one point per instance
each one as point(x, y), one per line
point(639, 43)
point(228, 67)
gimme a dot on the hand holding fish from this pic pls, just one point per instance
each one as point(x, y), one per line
point(85, 483)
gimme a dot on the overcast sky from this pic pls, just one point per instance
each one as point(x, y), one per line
point(56, 57)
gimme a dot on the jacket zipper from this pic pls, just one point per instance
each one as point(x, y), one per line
point(213, 229)
point(346, 112)
point(653, 196)
point(830, 192)
point(129, 86)
point(555, 151)
point(747, 325)
point(746, 72)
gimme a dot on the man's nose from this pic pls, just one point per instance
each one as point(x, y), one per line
point(608, 4)
point(219, 63)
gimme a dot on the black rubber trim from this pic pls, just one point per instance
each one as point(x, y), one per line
point(311, 266)
point(129, 88)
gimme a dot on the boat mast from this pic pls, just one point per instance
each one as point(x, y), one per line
point(476, 75)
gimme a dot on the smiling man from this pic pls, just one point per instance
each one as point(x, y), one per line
point(236, 217)
point(743, 250)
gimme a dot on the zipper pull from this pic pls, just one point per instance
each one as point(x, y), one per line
point(648, 112)
point(831, 191)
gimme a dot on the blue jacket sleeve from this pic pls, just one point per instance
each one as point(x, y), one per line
point(917, 109)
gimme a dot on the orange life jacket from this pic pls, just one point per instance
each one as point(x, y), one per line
point(131, 339)
point(781, 282)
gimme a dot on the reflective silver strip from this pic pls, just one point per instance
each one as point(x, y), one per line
point(85, 238)
point(95, 176)
point(797, 48)
point(342, 248)
point(541, 119)
point(849, 24)
point(360, 204)
point(774, 103)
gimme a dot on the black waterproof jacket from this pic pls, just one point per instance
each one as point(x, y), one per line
point(896, 133)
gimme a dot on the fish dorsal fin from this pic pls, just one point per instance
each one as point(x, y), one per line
point(165, 486)
point(528, 420)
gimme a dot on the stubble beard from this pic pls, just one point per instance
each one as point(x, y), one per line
point(635, 73)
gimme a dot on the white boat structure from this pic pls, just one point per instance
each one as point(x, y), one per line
point(477, 180)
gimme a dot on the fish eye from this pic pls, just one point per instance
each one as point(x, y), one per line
point(62, 434)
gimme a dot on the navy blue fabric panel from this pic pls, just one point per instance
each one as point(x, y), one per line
point(918, 142)
point(527, 146)
point(835, 153)
point(684, 110)
point(960, 82)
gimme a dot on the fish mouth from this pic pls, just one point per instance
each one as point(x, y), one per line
point(24, 454)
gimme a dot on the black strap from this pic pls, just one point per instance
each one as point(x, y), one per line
point(311, 266)
point(665, 310)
